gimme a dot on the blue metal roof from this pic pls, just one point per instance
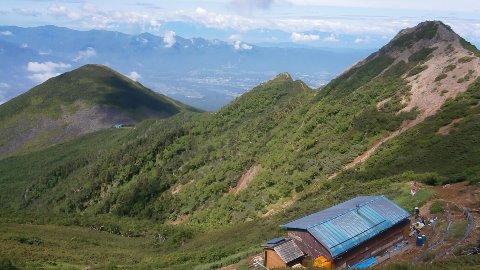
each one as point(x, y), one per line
point(275, 241)
point(346, 225)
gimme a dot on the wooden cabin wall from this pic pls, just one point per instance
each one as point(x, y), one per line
point(272, 260)
point(308, 244)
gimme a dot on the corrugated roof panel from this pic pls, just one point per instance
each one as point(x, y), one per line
point(326, 214)
point(342, 227)
point(288, 251)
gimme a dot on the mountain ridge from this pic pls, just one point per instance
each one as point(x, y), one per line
point(425, 47)
point(84, 100)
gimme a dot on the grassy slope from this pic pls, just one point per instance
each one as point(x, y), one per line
point(94, 85)
point(18, 172)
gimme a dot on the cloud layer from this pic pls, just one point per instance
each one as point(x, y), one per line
point(85, 54)
point(238, 45)
point(299, 37)
point(169, 39)
point(41, 72)
point(134, 76)
point(366, 18)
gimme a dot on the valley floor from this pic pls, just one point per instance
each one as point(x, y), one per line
point(68, 247)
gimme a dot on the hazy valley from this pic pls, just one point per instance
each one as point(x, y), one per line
point(204, 73)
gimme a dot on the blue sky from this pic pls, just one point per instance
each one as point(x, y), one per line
point(347, 23)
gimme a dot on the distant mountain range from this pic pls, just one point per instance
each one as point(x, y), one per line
point(203, 73)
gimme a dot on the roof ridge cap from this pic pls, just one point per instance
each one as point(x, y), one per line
point(344, 213)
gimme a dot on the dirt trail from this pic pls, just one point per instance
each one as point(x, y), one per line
point(245, 179)
point(176, 189)
point(366, 155)
point(445, 130)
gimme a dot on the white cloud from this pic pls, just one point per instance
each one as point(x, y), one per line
point(362, 40)
point(4, 85)
point(27, 12)
point(155, 25)
point(134, 76)
point(246, 46)
point(6, 33)
point(428, 5)
point(238, 45)
point(251, 5)
point(24, 45)
point(57, 10)
point(44, 71)
point(331, 38)
point(235, 37)
point(215, 20)
point(45, 52)
point(85, 54)
point(169, 39)
point(89, 7)
point(299, 37)
point(201, 11)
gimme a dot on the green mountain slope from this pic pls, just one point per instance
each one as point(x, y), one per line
point(206, 189)
point(186, 168)
point(84, 100)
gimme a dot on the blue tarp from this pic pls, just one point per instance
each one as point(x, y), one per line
point(364, 264)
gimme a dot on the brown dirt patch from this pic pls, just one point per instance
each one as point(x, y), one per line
point(456, 196)
point(180, 220)
point(176, 189)
point(275, 208)
point(245, 179)
point(445, 130)
point(462, 194)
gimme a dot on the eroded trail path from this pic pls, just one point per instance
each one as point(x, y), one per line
point(456, 229)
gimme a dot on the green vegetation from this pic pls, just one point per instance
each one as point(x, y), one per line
point(449, 48)
point(440, 77)
point(459, 263)
point(457, 231)
point(466, 78)
point(470, 47)
point(437, 207)
point(449, 68)
point(414, 71)
point(466, 59)
point(427, 31)
point(6, 264)
point(422, 55)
